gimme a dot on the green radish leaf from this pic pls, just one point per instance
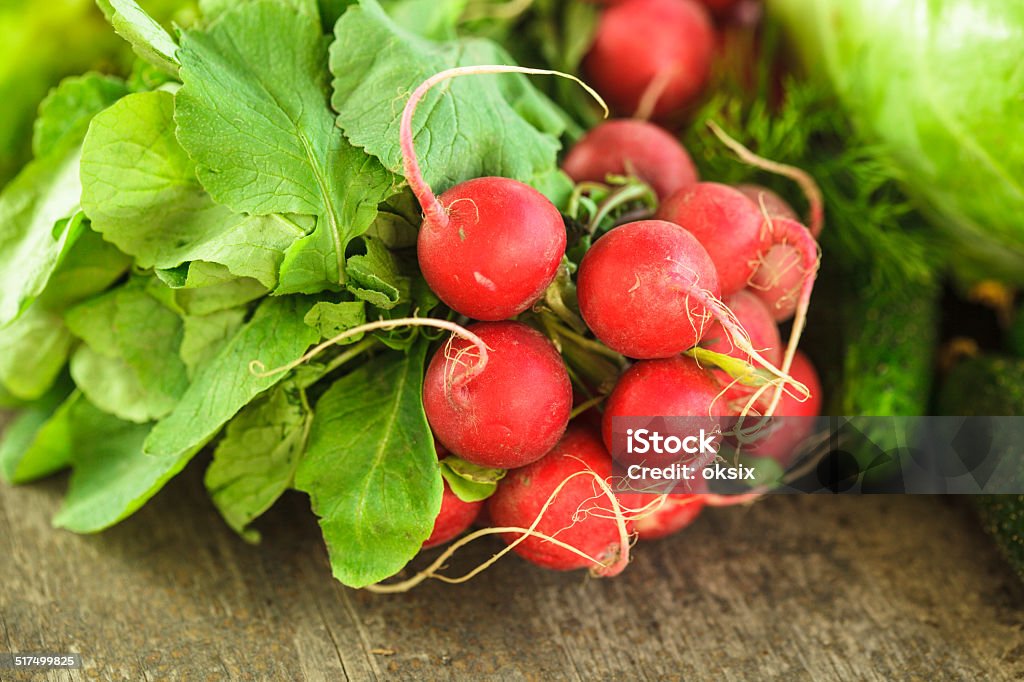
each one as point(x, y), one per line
point(90, 267)
point(37, 442)
point(141, 192)
point(470, 482)
point(275, 335)
point(289, 157)
point(33, 350)
point(469, 127)
point(111, 477)
point(434, 19)
point(331, 319)
point(66, 112)
point(213, 9)
point(205, 335)
point(255, 461)
point(34, 228)
point(370, 468)
point(148, 39)
point(373, 277)
point(129, 365)
point(201, 288)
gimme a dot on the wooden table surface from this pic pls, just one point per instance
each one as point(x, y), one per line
point(874, 588)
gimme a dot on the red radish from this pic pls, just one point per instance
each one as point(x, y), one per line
point(626, 147)
point(488, 247)
point(654, 50)
point(774, 205)
point(645, 289)
point(778, 276)
point(453, 519)
point(510, 412)
point(580, 514)
point(781, 444)
point(719, 7)
point(777, 280)
point(757, 320)
point(727, 224)
point(677, 512)
point(673, 387)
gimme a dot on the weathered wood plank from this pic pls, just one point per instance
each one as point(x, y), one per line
point(870, 588)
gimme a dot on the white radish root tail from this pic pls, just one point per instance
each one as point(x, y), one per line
point(259, 370)
point(600, 565)
point(785, 232)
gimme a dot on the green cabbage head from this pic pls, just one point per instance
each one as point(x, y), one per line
point(939, 84)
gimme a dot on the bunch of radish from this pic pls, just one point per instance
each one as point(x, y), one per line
point(714, 267)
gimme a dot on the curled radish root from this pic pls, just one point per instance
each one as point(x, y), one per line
point(792, 233)
point(260, 370)
point(600, 567)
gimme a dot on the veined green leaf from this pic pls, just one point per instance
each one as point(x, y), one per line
point(34, 230)
point(370, 468)
point(67, 110)
point(255, 461)
point(289, 157)
point(148, 39)
point(141, 192)
point(33, 349)
point(275, 335)
point(37, 443)
point(112, 477)
point(469, 127)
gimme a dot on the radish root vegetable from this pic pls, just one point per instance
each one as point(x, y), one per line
point(788, 232)
point(599, 568)
point(815, 201)
point(260, 370)
point(489, 246)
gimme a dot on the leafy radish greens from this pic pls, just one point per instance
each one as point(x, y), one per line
point(186, 233)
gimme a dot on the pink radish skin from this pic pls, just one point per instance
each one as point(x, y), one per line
point(782, 443)
point(777, 280)
point(676, 513)
point(580, 515)
point(776, 206)
point(639, 289)
point(512, 411)
point(755, 317)
point(487, 247)
point(496, 250)
point(455, 517)
point(673, 387)
point(643, 45)
point(727, 224)
point(627, 147)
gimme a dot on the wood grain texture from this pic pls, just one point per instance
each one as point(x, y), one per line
point(866, 588)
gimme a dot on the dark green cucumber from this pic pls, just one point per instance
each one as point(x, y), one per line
point(992, 386)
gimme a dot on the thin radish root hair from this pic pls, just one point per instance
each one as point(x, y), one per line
point(259, 370)
point(599, 566)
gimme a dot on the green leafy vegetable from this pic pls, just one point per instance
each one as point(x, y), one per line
point(34, 227)
point(148, 38)
point(376, 64)
point(370, 468)
point(288, 157)
point(470, 482)
point(255, 461)
point(141, 192)
point(66, 112)
point(129, 366)
point(38, 443)
point(33, 350)
point(275, 335)
point(111, 477)
point(936, 83)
